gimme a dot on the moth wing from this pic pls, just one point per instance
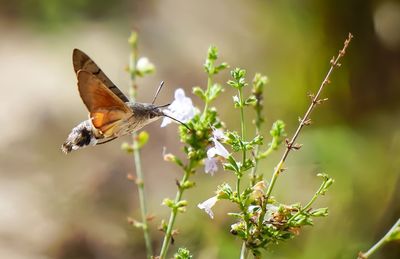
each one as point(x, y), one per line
point(81, 61)
point(106, 109)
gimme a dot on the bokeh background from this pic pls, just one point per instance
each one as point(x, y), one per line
point(75, 206)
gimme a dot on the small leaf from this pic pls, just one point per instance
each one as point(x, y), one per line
point(169, 203)
point(214, 91)
point(183, 253)
point(251, 100)
point(321, 212)
point(233, 162)
point(127, 147)
point(199, 92)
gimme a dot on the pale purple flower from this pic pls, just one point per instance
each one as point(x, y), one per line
point(181, 108)
point(207, 205)
point(218, 149)
point(210, 163)
point(218, 133)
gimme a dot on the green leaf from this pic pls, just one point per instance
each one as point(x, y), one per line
point(169, 203)
point(237, 102)
point(200, 93)
point(277, 133)
point(183, 253)
point(212, 53)
point(238, 76)
point(221, 67)
point(259, 82)
point(128, 148)
point(224, 191)
point(321, 212)
point(233, 163)
point(250, 101)
point(236, 215)
point(214, 91)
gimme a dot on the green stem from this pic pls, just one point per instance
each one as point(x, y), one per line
point(244, 252)
point(136, 154)
point(308, 205)
point(238, 189)
point(253, 175)
point(242, 124)
point(174, 212)
point(206, 102)
point(178, 197)
point(142, 201)
point(381, 242)
point(243, 131)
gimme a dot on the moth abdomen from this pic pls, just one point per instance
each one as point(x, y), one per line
point(81, 136)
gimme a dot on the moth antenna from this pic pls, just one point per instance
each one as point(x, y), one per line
point(158, 91)
point(184, 124)
point(111, 139)
point(163, 106)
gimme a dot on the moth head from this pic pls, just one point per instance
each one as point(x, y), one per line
point(155, 112)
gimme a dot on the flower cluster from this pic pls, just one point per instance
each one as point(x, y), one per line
point(260, 220)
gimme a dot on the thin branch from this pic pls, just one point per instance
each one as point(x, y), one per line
point(381, 242)
point(291, 144)
point(136, 152)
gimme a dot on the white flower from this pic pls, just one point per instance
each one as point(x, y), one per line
point(144, 66)
point(181, 108)
point(218, 133)
point(207, 205)
point(218, 149)
point(210, 165)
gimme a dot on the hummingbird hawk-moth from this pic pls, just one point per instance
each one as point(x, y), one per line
point(111, 114)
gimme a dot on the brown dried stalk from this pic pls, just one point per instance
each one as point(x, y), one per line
point(291, 144)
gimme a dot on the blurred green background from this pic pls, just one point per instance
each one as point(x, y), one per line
point(75, 206)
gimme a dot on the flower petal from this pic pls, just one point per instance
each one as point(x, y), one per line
point(181, 108)
point(180, 94)
point(211, 152)
point(165, 122)
point(210, 165)
point(220, 149)
point(218, 134)
point(207, 205)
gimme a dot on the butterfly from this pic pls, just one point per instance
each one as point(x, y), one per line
point(111, 113)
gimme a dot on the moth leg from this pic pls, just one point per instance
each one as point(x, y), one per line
point(106, 141)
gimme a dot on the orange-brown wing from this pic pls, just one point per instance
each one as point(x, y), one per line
point(81, 61)
point(106, 109)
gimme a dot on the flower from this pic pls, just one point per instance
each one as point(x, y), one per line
point(181, 108)
point(144, 66)
point(207, 205)
point(218, 149)
point(210, 163)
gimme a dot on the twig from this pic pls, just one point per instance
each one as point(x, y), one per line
point(174, 212)
point(136, 151)
point(382, 241)
point(305, 120)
